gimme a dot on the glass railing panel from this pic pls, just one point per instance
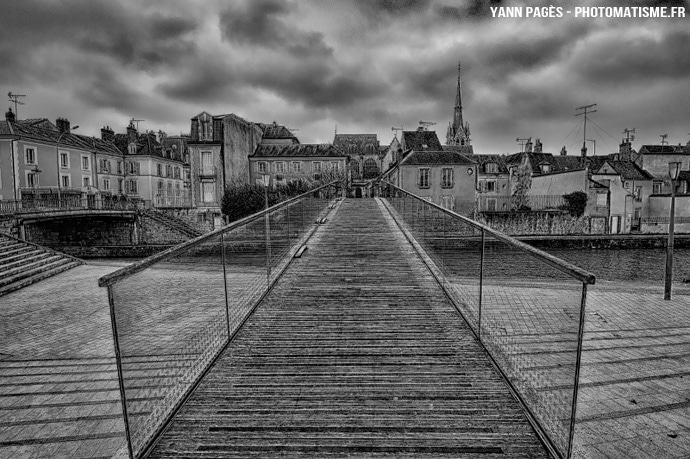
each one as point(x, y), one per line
point(530, 322)
point(174, 312)
point(171, 322)
point(247, 274)
point(459, 248)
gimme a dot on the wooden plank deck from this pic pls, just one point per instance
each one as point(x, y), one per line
point(355, 352)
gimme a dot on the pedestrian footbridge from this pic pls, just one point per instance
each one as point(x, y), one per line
point(331, 327)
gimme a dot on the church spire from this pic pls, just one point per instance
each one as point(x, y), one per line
point(457, 119)
point(458, 131)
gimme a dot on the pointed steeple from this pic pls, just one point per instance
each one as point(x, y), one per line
point(457, 119)
point(458, 130)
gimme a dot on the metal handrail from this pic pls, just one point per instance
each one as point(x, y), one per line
point(563, 266)
point(128, 271)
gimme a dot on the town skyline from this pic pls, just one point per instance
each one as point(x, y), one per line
point(363, 67)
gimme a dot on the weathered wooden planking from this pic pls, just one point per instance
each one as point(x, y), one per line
point(355, 352)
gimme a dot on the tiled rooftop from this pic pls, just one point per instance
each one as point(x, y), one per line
point(315, 150)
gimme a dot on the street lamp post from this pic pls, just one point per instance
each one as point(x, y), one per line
point(673, 172)
point(57, 153)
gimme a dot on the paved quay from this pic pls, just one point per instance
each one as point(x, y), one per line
point(635, 378)
point(59, 396)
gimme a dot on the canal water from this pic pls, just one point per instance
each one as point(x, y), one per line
point(643, 265)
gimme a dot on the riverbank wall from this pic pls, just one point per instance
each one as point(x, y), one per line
point(609, 241)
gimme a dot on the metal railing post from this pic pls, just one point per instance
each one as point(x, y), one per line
point(404, 206)
point(287, 221)
point(301, 212)
point(225, 281)
point(481, 288)
point(424, 222)
point(120, 376)
point(580, 335)
point(443, 256)
point(267, 229)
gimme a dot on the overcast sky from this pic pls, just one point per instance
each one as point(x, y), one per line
point(364, 66)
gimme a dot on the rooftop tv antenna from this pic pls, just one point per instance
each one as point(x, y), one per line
point(585, 112)
point(663, 139)
point(15, 98)
point(523, 142)
point(425, 124)
point(396, 129)
point(132, 121)
point(629, 135)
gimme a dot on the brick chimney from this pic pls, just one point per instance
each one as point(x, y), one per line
point(538, 148)
point(528, 146)
point(625, 150)
point(107, 134)
point(564, 151)
point(62, 125)
point(132, 133)
point(9, 115)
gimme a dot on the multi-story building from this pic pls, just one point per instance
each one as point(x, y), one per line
point(219, 147)
point(365, 158)
point(629, 190)
point(153, 172)
point(424, 168)
point(39, 159)
point(655, 159)
point(280, 164)
point(493, 183)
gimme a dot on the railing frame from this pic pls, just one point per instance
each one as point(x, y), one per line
point(581, 275)
point(123, 273)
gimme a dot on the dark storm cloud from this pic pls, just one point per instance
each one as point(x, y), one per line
point(431, 77)
point(652, 3)
point(105, 89)
point(475, 9)
point(428, 11)
point(205, 81)
point(638, 60)
point(504, 56)
point(315, 84)
point(264, 23)
point(395, 7)
point(130, 36)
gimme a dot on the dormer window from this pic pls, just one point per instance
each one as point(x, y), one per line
point(491, 168)
point(205, 128)
point(545, 168)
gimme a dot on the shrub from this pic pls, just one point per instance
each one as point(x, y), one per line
point(575, 203)
point(242, 200)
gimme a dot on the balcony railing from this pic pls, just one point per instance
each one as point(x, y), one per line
point(207, 172)
point(488, 203)
point(173, 313)
point(173, 202)
point(67, 201)
point(525, 307)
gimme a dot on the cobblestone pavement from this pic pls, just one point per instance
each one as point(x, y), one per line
point(59, 395)
point(635, 380)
